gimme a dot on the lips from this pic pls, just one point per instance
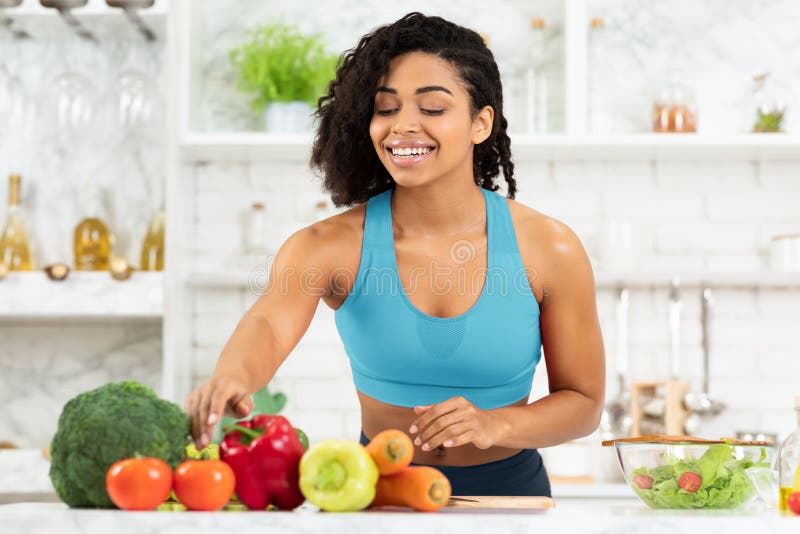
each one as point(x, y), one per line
point(409, 161)
point(405, 158)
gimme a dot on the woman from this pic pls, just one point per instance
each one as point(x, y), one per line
point(456, 288)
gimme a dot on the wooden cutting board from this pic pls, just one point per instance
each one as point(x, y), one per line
point(514, 502)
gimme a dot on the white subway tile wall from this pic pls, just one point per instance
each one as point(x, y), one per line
point(700, 223)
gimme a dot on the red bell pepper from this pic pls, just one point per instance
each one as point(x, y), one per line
point(264, 454)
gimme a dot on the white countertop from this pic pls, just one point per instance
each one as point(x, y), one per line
point(571, 516)
point(583, 508)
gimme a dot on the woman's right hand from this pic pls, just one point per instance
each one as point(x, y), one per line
point(219, 395)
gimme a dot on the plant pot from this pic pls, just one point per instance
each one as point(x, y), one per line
point(287, 117)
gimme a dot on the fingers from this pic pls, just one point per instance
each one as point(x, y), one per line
point(245, 406)
point(437, 427)
point(202, 415)
point(190, 407)
point(452, 436)
point(434, 411)
point(209, 402)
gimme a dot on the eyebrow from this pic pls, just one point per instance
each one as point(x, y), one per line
point(421, 90)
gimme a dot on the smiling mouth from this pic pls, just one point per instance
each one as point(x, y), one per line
point(409, 153)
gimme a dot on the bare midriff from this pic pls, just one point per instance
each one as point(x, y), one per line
point(377, 416)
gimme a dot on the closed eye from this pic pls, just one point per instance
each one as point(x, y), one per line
point(385, 112)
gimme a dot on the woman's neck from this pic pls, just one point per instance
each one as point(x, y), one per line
point(438, 209)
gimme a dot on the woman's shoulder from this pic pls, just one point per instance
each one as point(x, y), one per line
point(334, 241)
point(547, 245)
point(533, 226)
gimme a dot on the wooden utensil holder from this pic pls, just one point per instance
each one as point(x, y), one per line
point(674, 414)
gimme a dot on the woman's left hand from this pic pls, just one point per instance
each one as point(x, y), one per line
point(454, 422)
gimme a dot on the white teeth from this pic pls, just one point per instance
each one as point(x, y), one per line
point(410, 151)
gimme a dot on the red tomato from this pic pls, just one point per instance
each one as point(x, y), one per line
point(690, 481)
point(139, 483)
point(643, 481)
point(204, 484)
point(793, 502)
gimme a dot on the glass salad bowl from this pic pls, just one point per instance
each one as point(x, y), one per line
point(679, 472)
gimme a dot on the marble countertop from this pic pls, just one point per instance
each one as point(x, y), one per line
point(583, 516)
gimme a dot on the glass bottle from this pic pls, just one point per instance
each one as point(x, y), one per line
point(599, 79)
point(152, 258)
point(15, 251)
point(536, 81)
point(255, 251)
point(92, 239)
point(789, 462)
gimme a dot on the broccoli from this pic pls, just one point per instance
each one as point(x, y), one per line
point(108, 424)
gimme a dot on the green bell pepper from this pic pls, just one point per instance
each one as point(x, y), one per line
point(338, 476)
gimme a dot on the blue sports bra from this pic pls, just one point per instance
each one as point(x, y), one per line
point(402, 356)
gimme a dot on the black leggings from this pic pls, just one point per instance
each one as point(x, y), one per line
point(521, 474)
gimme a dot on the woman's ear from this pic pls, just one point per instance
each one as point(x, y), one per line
point(482, 125)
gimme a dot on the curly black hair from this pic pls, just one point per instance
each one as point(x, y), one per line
point(342, 150)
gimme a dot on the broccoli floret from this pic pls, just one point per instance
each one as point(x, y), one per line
point(108, 424)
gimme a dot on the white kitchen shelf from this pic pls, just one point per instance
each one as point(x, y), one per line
point(255, 146)
point(715, 279)
point(82, 295)
point(221, 279)
point(603, 280)
point(93, 8)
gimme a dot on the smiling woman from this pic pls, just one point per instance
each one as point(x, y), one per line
point(445, 291)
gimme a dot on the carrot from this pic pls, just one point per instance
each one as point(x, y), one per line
point(422, 487)
point(392, 451)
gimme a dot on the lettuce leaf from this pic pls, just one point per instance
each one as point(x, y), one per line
point(724, 484)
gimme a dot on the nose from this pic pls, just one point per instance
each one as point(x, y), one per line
point(405, 121)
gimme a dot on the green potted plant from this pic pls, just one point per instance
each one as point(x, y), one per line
point(287, 71)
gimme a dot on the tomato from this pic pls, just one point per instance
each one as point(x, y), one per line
point(690, 481)
point(204, 484)
point(643, 481)
point(793, 502)
point(139, 483)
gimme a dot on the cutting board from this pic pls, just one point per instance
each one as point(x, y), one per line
point(512, 502)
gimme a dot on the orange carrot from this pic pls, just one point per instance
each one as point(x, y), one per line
point(422, 487)
point(392, 451)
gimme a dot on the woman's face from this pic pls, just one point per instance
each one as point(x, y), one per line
point(422, 127)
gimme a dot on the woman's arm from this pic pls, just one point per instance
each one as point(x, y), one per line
point(268, 331)
point(574, 353)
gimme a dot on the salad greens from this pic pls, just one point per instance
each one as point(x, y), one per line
point(724, 484)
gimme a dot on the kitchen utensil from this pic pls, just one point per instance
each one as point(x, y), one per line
point(655, 404)
point(679, 439)
point(513, 501)
point(668, 392)
point(702, 404)
point(131, 7)
point(615, 420)
point(64, 8)
point(756, 436)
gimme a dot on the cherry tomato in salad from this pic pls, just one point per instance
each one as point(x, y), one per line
point(690, 481)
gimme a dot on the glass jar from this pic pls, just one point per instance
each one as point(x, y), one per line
point(674, 109)
point(770, 104)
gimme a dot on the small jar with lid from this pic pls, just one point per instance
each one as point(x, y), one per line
point(770, 103)
point(674, 108)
